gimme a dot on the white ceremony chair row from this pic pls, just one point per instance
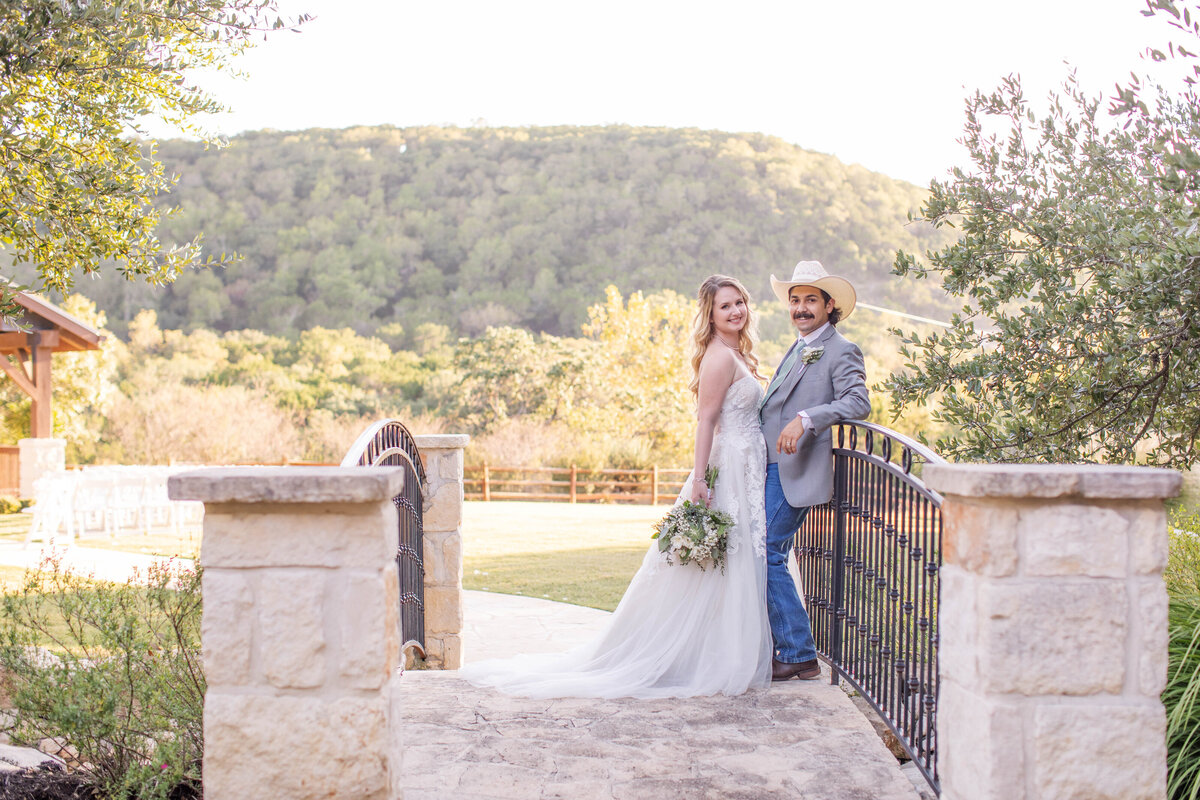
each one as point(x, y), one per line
point(109, 501)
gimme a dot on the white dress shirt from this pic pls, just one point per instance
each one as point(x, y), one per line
point(809, 340)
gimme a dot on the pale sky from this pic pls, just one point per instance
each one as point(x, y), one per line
point(877, 82)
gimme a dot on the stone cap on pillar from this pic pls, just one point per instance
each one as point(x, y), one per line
point(441, 440)
point(287, 484)
point(1098, 481)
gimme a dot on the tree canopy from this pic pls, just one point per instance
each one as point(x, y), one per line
point(77, 188)
point(478, 227)
point(1079, 261)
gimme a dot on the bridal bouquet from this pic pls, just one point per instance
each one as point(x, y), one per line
point(692, 533)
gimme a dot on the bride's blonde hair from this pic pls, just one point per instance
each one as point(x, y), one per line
point(703, 329)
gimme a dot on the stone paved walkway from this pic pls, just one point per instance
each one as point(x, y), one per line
point(799, 740)
point(497, 625)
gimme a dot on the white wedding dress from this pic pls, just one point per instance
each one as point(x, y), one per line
point(678, 631)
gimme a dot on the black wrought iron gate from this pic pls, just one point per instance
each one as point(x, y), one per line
point(869, 561)
point(388, 443)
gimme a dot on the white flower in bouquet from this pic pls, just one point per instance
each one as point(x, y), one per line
point(692, 533)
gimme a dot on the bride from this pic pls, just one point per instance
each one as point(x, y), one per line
point(680, 631)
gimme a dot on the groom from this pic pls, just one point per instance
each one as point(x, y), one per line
point(820, 381)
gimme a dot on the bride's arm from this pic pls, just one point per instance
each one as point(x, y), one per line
point(716, 374)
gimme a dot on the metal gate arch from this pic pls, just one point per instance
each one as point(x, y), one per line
point(869, 561)
point(388, 443)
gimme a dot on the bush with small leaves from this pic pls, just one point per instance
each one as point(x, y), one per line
point(113, 670)
point(11, 505)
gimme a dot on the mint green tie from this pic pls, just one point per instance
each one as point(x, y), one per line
point(779, 376)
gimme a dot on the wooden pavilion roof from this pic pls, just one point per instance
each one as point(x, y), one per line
point(56, 329)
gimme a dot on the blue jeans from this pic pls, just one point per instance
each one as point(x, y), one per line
point(789, 621)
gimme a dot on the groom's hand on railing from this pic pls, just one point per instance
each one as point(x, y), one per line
point(789, 437)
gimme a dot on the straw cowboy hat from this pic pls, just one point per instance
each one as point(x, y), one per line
point(811, 273)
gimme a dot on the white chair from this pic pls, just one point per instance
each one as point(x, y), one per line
point(91, 505)
point(158, 510)
point(53, 508)
point(125, 501)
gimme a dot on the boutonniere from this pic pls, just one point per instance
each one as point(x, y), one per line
point(810, 354)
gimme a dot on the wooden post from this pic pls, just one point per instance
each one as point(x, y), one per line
point(654, 486)
point(574, 479)
point(487, 489)
point(39, 413)
point(36, 348)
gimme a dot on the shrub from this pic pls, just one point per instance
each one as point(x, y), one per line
point(167, 422)
point(1183, 566)
point(327, 437)
point(114, 671)
point(525, 442)
point(11, 505)
point(1182, 695)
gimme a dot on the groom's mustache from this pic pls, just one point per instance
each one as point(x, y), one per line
point(802, 315)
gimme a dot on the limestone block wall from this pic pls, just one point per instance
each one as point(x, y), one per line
point(301, 629)
point(442, 455)
point(1052, 631)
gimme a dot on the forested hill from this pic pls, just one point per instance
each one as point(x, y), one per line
point(522, 226)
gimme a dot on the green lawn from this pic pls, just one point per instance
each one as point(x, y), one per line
point(11, 578)
point(156, 543)
point(14, 527)
point(583, 554)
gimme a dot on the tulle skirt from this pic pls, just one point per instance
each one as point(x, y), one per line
point(678, 631)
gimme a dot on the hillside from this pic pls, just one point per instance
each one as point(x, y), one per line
point(367, 227)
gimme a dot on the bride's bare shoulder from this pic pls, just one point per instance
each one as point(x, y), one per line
point(719, 360)
point(718, 369)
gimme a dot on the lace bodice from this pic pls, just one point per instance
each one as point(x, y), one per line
point(738, 447)
point(739, 410)
point(740, 457)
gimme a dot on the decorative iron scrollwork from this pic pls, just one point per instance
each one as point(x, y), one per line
point(389, 443)
point(869, 560)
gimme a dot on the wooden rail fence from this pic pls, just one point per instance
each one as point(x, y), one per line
point(573, 484)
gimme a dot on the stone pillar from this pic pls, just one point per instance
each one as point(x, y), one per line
point(301, 628)
point(1052, 631)
point(442, 455)
point(37, 458)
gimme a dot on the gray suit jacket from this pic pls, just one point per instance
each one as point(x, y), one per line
point(831, 389)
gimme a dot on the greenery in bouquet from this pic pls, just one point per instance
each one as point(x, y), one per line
point(692, 533)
